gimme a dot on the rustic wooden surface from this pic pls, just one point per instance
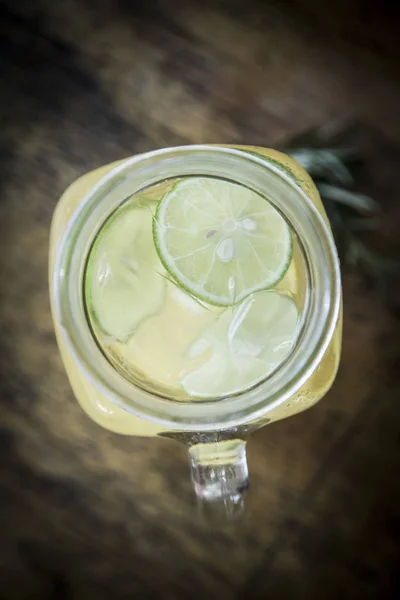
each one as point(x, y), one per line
point(88, 514)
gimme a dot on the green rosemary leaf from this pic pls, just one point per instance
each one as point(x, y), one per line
point(352, 256)
point(375, 263)
point(333, 165)
point(327, 163)
point(359, 202)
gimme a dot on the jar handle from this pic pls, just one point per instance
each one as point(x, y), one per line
point(220, 477)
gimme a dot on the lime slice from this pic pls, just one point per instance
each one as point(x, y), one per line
point(221, 241)
point(243, 346)
point(123, 280)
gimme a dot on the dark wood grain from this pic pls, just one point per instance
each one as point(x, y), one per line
point(86, 513)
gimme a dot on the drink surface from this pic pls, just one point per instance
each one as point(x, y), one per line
point(213, 314)
point(167, 326)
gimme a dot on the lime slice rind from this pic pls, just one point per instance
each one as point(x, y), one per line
point(123, 278)
point(220, 241)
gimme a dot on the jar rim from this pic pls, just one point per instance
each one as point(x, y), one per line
point(264, 177)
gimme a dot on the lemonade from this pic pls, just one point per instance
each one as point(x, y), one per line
point(195, 295)
point(195, 289)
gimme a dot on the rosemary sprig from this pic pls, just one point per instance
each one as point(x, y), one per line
point(351, 213)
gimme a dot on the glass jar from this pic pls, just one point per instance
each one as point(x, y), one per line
point(215, 431)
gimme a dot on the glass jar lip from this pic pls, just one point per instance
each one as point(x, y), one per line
point(143, 170)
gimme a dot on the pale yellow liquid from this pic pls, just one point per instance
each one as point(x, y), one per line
point(178, 317)
point(156, 354)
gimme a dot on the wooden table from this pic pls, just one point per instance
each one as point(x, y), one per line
point(88, 514)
